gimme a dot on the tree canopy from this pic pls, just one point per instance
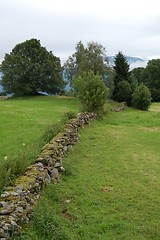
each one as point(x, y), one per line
point(85, 59)
point(30, 68)
point(121, 68)
point(91, 90)
point(138, 74)
point(153, 78)
point(122, 89)
point(141, 97)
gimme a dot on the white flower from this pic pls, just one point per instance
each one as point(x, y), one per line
point(5, 158)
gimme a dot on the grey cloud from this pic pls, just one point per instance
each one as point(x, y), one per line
point(60, 31)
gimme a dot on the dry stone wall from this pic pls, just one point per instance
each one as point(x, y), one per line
point(17, 202)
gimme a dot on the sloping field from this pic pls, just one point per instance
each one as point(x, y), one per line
point(25, 124)
point(111, 187)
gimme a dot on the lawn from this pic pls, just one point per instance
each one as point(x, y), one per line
point(24, 126)
point(111, 186)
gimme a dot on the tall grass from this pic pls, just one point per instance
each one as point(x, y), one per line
point(111, 186)
point(26, 124)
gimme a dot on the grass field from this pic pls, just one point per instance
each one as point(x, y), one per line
point(111, 187)
point(24, 126)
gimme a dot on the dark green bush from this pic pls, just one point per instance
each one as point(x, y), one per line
point(123, 92)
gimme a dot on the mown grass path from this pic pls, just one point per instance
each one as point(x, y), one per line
point(111, 188)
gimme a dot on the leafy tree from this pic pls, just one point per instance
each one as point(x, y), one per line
point(30, 68)
point(153, 78)
point(141, 97)
point(109, 81)
point(85, 59)
point(91, 90)
point(139, 74)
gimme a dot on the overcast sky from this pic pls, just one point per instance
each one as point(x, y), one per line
point(132, 27)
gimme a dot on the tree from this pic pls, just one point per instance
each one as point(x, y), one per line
point(124, 93)
point(30, 68)
point(121, 79)
point(91, 90)
point(138, 74)
point(85, 59)
point(153, 78)
point(141, 97)
point(121, 68)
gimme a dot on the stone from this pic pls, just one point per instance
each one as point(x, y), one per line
point(54, 174)
point(1, 232)
point(61, 169)
point(48, 178)
point(19, 209)
point(3, 204)
point(65, 148)
point(19, 189)
point(9, 209)
point(57, 165)
point(5, 194)
point(6, 227)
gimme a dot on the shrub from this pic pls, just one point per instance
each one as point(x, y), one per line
point(91, 90)
point(123, 92)
point(141, 97)
point(155, 93)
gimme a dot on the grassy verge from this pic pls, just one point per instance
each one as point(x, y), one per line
point(25, 125)
point(110, 189)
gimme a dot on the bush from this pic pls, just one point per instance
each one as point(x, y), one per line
point(91, 90)
point(141, 97)
point(123, 92)
point(155, 93)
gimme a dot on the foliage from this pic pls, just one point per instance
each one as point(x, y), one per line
point(155, 93)
point(153, 78)
point(91, 58)
point(121, 68)
point(30, 68)
point(122, 80)
point(123, 92)
point(70, 115)
point(109, 81)
point(141, 97)
point(150, 76)
point(91, 90)
point(138, 75)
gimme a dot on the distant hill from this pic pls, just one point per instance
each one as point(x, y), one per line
point(132, 61)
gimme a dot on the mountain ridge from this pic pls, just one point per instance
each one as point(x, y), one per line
point(129, 59)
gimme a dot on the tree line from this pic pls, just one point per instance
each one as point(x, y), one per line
point(30, 68)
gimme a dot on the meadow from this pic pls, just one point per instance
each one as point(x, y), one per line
point(26, 124)
point(110, 189)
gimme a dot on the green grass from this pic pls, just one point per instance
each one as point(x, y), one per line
point(111, 186)
point(25, 125)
